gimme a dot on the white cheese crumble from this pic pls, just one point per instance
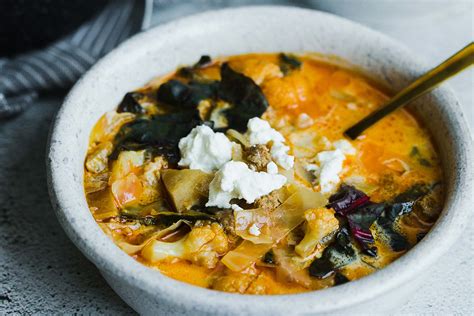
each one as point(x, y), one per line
point(204, 150)
point(331, 165)
point(260, 132)
point(279, 153)
point(236, 181)
point(344, 146)
point(254, 230)
point(272, 168)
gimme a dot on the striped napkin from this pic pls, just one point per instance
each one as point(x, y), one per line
point(63, 62)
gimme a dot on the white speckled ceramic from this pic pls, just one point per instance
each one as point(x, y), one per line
point(237, 31)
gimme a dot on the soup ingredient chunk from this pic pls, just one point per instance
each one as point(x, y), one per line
point(235, 180)
point(331, 165)
point(260, 132)
point(205, 150)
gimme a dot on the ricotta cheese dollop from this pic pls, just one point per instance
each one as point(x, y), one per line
point(331, 165)
point(259, 132)
point(204, 149)
point(236, 181)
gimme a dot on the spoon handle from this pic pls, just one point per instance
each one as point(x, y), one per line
point(454, 64)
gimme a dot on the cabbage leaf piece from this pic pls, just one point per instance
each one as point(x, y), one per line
point(132, 249)
point(284, 219)
point(187, 188)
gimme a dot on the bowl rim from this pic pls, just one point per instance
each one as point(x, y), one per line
point(113, 261)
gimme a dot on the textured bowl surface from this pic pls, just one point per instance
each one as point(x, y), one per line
point(237, 31)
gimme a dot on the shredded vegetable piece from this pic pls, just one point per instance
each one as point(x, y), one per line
point(285, 218)
point(132, 249)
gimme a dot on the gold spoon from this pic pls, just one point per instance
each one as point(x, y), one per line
point(451, 66)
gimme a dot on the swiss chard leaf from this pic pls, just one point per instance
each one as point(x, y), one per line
point(347, 199)
point(160, 134)
point(288, 63)
point(338, 254)
point(130, 103)
point(181, 95)
point(414, 193)
point(244, 94)
point(389, 235)
point(360, 221)
point(401, 205)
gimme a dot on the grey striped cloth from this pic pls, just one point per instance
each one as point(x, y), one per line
point(63, 62)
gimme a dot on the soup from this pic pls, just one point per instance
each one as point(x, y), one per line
point(234, 174)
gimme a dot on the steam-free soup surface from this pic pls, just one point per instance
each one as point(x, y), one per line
point(234, 174)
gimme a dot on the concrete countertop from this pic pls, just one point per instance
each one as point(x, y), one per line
point(41, 271)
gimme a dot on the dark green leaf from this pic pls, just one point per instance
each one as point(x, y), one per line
point(340, 278)
point(189, 71)
point(288, 63)
point(245, 96)
point(338, 254)
point(181, 95)
point(159, 134)
point(390, 236)
point(130, 103)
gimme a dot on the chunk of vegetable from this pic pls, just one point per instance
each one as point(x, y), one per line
point(130, 103)
point(284, 219)
point(132, 249)
point(337, 255)
point(127, 190)
point(109, 125)
point(320, 223)
point(102, 204)
point(97, 161)
point(253, 225)
point(185, 95)
point(203, 246)
point(245, 96)
point(95, 182)
point(187, 187)
point(127, 162)
point(159, 134)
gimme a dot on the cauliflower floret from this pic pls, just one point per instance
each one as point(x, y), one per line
point(203, 246)
point(320, 222)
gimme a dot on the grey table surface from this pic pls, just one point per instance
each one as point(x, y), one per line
point(41, 271)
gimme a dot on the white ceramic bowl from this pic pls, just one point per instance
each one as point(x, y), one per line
point(237, 31)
